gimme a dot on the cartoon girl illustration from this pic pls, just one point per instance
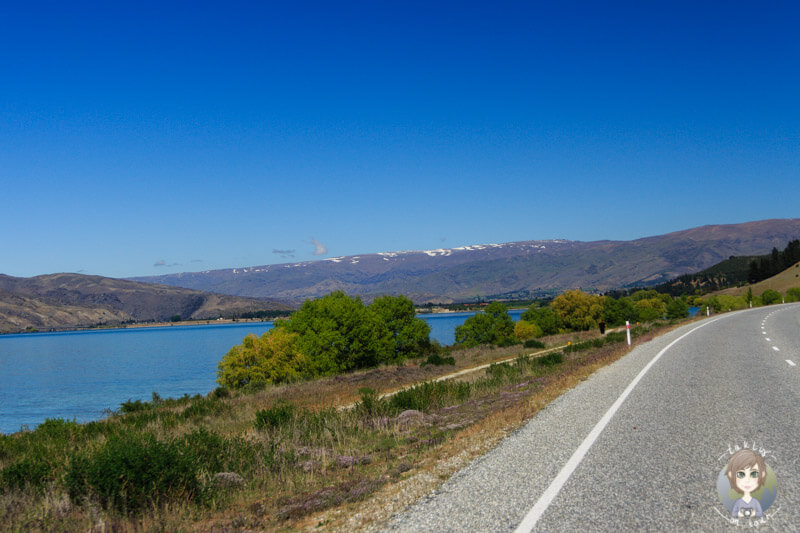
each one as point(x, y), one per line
point(746, 473)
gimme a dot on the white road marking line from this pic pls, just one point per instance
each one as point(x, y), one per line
point(544, 501)
point(775, 348)
point(791, 362)
point(768, 339)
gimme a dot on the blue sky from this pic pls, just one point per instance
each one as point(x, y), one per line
point(151, 137)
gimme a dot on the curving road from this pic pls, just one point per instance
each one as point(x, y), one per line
point(639, 445)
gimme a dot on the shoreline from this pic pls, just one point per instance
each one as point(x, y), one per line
point(202, 322)
point(141, 325)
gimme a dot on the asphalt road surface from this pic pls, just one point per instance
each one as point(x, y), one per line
point(640, 445)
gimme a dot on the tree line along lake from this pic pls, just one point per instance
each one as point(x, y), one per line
point(79, 375)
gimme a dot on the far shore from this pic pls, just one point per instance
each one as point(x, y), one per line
point(138, 325)
point(206, 322)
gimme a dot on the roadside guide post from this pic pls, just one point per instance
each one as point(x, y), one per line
point(628, 329)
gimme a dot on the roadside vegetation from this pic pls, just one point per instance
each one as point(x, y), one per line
point(334, 406)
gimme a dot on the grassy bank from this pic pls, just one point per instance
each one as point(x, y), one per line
point(282, 457)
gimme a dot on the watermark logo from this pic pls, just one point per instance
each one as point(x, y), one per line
point(747, 485)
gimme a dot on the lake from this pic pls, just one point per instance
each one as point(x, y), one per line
point(78, 375)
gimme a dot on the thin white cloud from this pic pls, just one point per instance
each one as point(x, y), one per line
point(283, 253)
point(319, 248)
point(161, 263)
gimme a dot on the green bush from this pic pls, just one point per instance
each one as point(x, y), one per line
point(32, 472)
point(580, 346)
point(370, 401)
point(770, 296)
point(551, 359)
point(58, 429)
point(131, 472)
point(204, 407)
point(276, 416)
point(134, 406)
point(437, 360)
point(221, 392)
point(502, 371)
point(533, 343)
point(430, 395)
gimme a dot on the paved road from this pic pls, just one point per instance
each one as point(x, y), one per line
point(714, 385)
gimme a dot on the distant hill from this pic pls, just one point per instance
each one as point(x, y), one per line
point(63, 301)
point(513, 270)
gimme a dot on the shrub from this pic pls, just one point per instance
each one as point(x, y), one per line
point(507, 341)
point(276, 416)
point(550, 359)
point(371, 403)
point(204, 407)
point(134, 406)
point(437, 360)
point(430, 395)
point(132, 472)
point(533, 343)
point(793, 294)
point(616, 336)
point(770, 296)
point(58, 429)
point(221, 392)
point(30, 472)
point(206, 449)
point(502, 371)
point(585, 345)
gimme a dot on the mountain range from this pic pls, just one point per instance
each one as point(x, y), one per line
point(523, 269)
point(63, 301)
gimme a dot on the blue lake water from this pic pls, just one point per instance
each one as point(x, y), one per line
point(78, 375)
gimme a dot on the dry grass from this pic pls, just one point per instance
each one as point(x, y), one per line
point(780, 282)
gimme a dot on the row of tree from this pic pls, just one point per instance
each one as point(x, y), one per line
point(338, 333)
point(774, 263)
point(570, 311)
point(326, 336)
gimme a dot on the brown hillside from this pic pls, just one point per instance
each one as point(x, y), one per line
point(780, 282)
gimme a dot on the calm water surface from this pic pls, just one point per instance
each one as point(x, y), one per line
point(78, 375)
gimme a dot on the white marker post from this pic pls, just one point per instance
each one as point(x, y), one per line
point(628, 329)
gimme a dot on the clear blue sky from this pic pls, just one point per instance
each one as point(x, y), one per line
point(157, 137)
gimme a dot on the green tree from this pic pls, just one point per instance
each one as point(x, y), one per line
point(544, 317)
point(410, 335)
point(617, 311)
point(339, 333)
point(649, 309)
point(677, 308)
point(494, 326)
point(272, 358)
point(770, 296)
point(577, 310)
point(793, 294)
point(727, 302)
point(644, 295)
point(524, 330)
